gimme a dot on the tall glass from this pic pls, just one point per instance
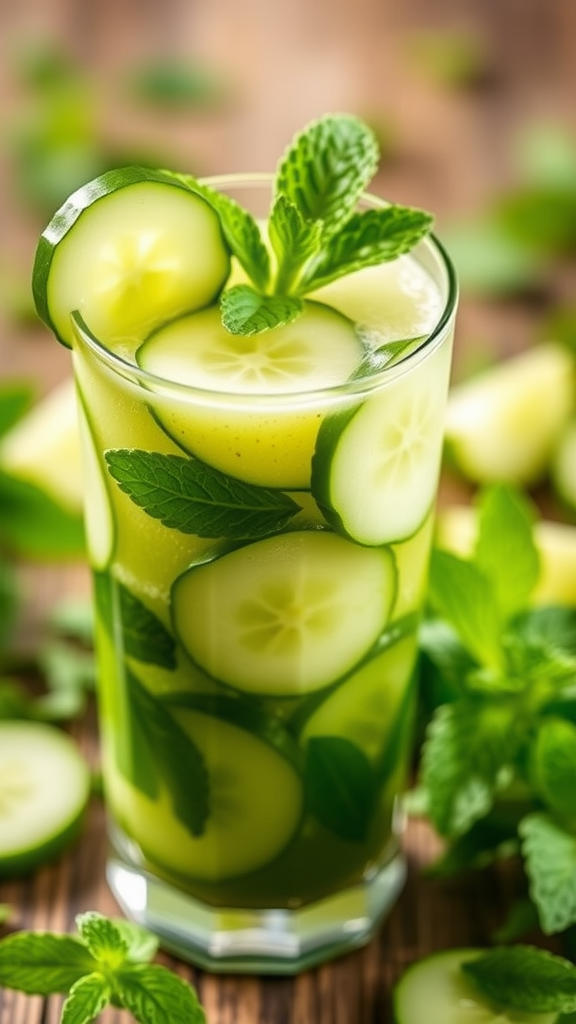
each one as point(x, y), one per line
point(257, 688)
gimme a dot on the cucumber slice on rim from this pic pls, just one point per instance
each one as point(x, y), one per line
point(120, 251)
point(435, 990)
point(44, 790)
point(268, 442)
point(98, 515)
point(256, 797)
point(286, 615)
point(375, 468)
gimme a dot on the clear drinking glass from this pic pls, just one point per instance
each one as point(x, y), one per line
point(256, 695)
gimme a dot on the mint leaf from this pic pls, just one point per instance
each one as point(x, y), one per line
point(377, 359)
point(155, 995)
point(368, 238)
point(525, 978)
point(15, 400)
point(340, 786)
point(34, 526)
point(161, 749)
point(88, 997)
point(145, 637)
point(487, 840)
point(242, 235)
point(246, 311)
point(327, 167)
point(40, 963)
point(554, 766)
point(550, 861)
point(467, 746)
point(141, 945)
point(505, 549)
point(462, 595)
point(294, 240)
point(549, 628)
point(103, 938)
point(189, 496)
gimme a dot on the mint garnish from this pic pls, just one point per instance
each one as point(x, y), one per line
point(107, 964)
point(549, 852)
point(525, 978)
point(144, 636)
point(190, 496)
point(340, 786)
point(316, 230)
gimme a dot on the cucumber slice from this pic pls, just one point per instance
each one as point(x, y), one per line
point(268, 442)
point(286, 615)
point(436, 991)
point(375, 468)
point(128, 250)
point(364, 708)
point(98, 516)
point(256, 799)
point(563, 466)
point(44, 790)
point(492, 430)
point(44, 448)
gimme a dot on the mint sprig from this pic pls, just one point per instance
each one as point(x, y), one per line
point(316, 231)
point(108, 963)
point(525, 978)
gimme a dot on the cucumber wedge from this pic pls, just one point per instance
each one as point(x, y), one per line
point(119, 251)
point(255, 793)
point(268, 443)
point(44, 790)
point(296, 611)
point(375, 468)
point(434, 990)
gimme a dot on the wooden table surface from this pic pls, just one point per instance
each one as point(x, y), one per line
point(283, 62)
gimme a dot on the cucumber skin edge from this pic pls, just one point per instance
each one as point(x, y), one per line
point(330, 432)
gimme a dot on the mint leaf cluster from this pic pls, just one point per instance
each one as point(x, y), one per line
point(316, 231)
point(107, 964)
point(498, 766)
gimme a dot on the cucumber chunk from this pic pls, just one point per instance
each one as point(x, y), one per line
point(255, 793)
point(100, 525)
point(375, 468)
point(119, 251)
point(269, 442)
point(286, 615)
point(563, 466)
point(434, 990)
point(44, 790)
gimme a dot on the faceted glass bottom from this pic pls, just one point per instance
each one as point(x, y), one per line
point(231, 940)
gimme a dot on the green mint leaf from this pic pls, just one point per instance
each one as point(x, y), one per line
point(382, 358)
point(327, 167)
point(87, 999)
point(522, 917)
point(161, 749)
point(145, 637)
point(368, 238)
point(525, 978)
point(190, 496)
point(553, 766)
point(242, 234)
point(34, 526)
point(505, 549)
point(462, 595)
point(340, 786)
point(40, 963)
point(294, 240)
point(246, 311)
point(102, 938)
point(155, 995)
point(445, 653)
point(15, 400)
point(549, 628)
point(467, 746)
point(141, 944)
point(550, 862)
point(487, 840)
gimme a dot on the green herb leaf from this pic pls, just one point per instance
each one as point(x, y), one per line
point(88, 997)
point(505, 549)
point(367, 239)
point(294, 240)
point(551, 629)
point(525, 978)
point(155, 995)
point(241, 232)
point(554, 766)
point(41, 963)
point(521, 918)
point(15, 400)
point(487, 840)
point(467, 746)
point(550, 861)
point(462, 595)
point(141, 945)
point(103, 938)
point(34, 526)
point(246, 311)
point(327, 167)
point(382, 358)
point(340, 786)
point(192, 497)
point(145, 636)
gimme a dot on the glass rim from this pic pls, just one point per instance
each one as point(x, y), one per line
point(145, 380)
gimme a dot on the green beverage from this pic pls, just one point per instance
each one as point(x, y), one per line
point(262, 367)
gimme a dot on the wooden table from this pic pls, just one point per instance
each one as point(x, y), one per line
point(285, 62)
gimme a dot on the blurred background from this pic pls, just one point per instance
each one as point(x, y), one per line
point(473, 103)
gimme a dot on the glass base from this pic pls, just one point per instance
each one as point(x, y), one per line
point(229, 940)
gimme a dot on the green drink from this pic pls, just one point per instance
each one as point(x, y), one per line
point(261, 465)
